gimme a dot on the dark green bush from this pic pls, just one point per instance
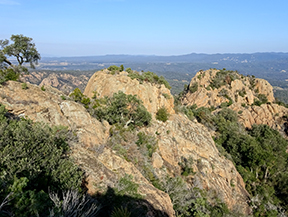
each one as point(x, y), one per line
point(123, 109)
point(8, 75)
point(33, 160)
point(150, 77)
point(259, 155)
point(193, 87)
point(162, 114)
point(113, 68)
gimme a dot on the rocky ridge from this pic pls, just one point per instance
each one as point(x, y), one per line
point(205, 89)
point(178, 138)
point(62, 81)
point(100, 164)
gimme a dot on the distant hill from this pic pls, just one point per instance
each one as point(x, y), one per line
point(176, 69)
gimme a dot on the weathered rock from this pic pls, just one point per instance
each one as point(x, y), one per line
point(270, 114)
point(62, 81)
point(157, 160)
point(179, 137)
point(243, 90)
point(153, 96)
point(101, 165)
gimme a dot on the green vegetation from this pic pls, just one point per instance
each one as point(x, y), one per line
point(186, 166)
point(43, 88)
point(262, 99)
point(162, 114)
point(193, 201)
point(24, 86)
point(193, 87)
point(223, 77)
point(149, 77)
point(23, 50)
point(78, 96)
point(260, 156)
point(126, 110)
point(33, 161)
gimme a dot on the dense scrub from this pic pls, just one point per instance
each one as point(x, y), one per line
point(126, 110)
point(259, 155)
point(33, 162)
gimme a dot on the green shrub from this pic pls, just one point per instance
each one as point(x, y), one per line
point(129, 70)
point(223, 77)
point(33, 159)
point(242, 92)
point(162, 114)
point(113, 68)
point(148, 141)
point(167, 96)
point(149, 77)
point(263, 98)
point(24, 86)
point(126, 186)
point(193, 87)
point(43, 88)
point(126, 110)
point(186, 166)
point(8, 75)
point(121, 68)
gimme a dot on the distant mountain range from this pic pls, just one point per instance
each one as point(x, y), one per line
point(188, 58)
point(270, 66)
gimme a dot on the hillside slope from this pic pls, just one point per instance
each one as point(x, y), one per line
point(180, 141)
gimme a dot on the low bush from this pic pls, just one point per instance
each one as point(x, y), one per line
point(162, 114)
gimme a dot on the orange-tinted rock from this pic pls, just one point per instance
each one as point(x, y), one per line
point(153, 96)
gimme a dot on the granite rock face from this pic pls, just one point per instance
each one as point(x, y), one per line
point(178, 139)
point(62, 81)
point(153, 96)
point(243, 91)
point(101, 164)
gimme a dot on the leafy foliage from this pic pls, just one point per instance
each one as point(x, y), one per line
point(23, 49)
point(262, 99)
point(193, 87)
point(33, 159)
point(149, 77)
point(8, 75)
point(162, 114)
point(223, 77)
point(260, 156)
point(126, 110)
point(78, 96)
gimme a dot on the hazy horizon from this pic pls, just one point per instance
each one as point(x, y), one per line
point(133, 27)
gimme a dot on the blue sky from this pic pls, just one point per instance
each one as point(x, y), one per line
point(158, 27)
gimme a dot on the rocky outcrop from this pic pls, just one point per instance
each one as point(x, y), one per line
point(271, 114)
point(153, 96)
point(179, 139)
point(101, 165)
point(240, 89)
point(62, 81)
point(242, 92)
